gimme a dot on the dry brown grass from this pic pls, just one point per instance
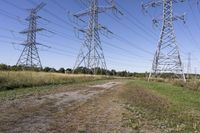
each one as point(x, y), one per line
point(140, 97)
point(21, 79)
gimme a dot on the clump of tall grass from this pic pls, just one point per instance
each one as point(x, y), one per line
point(191, 84)
point(11, 79)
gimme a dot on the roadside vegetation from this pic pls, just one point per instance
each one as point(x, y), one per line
point(10, 80)
point(19, 84)
point(192, 83)
point(161, 107)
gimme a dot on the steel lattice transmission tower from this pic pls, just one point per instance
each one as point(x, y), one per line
point(29, 57)
point(167, 57)
point(91, 54)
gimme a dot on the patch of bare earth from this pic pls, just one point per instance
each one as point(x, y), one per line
point(92, 109)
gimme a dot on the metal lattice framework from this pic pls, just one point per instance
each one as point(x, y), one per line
point(91, 54)
point(29, 57)
point(167, 57)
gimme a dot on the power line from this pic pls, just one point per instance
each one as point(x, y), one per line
point(52, 14)
point(14, 5)
point(109, 44)
point(140, 25)
point(129, 28)
point(118, 37)
point(132, 44)
point(13, 17)
point(194, 16)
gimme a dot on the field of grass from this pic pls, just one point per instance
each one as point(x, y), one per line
point(11, 80)
point(192, 84)
point(152, 106)
point(19, 84)
point(161, 107)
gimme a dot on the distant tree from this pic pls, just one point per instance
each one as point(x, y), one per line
point(122, 74)
point(53, 70)
point(61, 70)
point(16, 68)
point(98, 71)
point(3, 67)
point(113, 72)
point(80, 70)
point(69, 70)
point(47, 69)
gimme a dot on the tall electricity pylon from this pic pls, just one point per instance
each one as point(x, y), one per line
point(167, 57)
point(91, 53)
point(189, 66)
point(29, 57)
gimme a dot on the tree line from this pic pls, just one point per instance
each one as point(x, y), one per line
point(79, 70)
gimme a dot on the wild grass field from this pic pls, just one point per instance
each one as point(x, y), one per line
point(161, 107)
point(18, 83)
point(11, 79)
point(156, 106)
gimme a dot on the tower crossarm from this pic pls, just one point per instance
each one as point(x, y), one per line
point(174, 18)
point(82, 13)
point(109, 8)
point(150, 4)
point(31, 30)
point(28, 43)
point(43, 45)
point(33, 16)
point(99, 9)
point(155, 3)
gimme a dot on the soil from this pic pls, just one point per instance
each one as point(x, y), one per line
point(91, 109)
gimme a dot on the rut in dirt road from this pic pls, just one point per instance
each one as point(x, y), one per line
point(90, 109)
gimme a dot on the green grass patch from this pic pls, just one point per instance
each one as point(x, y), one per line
point(181, 97)
point(161, 107)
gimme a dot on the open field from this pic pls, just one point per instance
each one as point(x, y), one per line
point(11, 79)
point(99, 105)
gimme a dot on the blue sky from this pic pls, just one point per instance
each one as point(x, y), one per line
point(135, 54)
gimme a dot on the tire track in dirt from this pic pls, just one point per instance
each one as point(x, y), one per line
point(92, 109)
point(103, 114)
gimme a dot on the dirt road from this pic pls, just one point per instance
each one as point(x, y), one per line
point(91, 109)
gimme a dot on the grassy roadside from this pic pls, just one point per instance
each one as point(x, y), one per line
point(20, 84)
point(45, 90)
point(10, 80)
point(161, 107)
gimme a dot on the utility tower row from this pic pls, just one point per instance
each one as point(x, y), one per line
point(91, 53)
point(167, 58)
